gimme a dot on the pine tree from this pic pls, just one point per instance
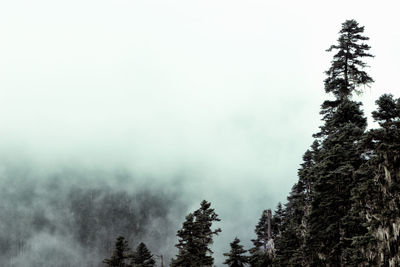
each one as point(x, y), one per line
point(346, 73)
point(188, 253)
point(307, 172)
point(262, 252)
point(378, 194)
point(205, 216)
point(261, 231)
point(290, 243)
point(120, 254)
point(331, 225)
point(142, 257)
point(290, 239)
point(307, 178)
point(277, 221)
point(235, 256)
point(195, 237)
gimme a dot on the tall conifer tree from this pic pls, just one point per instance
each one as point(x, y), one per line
point(120, 254)
point(377, 198)
point(195, 237)
point(235, 256)
point(291, 249)
point(142, 257)
point(289, 241)
point(262, 253)
point(347, 71)
point(331, 227)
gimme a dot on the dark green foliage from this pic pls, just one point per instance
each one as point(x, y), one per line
point(346, 72)
point(195, 237)
point(235, 256)
point(142, 257)
point(291, 249)
point(277, 221)
point(330, 227)
point(120, 254)
point(307, 176)
point(261, 231)
point(290, 240)
point(262, 252)
point(260, 258)
point(378, 193)
point(329, 177)
point(188, 253)
point(205, 216)
point(388, 112)
point(306, 173)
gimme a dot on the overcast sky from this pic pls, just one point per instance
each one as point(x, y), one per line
point(222, 92)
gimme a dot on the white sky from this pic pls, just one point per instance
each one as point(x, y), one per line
point(224, 91)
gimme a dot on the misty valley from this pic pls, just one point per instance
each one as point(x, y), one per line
point(343, 210)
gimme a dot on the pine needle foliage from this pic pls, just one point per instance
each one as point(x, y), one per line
point(120, 254)
point(236, 257)
point(195, 237)
point(142, 257)
point(377, 198)
point(347, 73)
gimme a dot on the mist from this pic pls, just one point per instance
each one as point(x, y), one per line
point(124, 115)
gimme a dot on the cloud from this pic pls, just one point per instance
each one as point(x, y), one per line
point(191, 100)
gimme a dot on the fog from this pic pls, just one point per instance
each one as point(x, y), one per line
point(155, 106)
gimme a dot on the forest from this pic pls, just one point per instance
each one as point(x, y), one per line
point(199, 133)
point(344, 208)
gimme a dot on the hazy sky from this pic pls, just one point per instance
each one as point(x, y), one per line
point(222, 92)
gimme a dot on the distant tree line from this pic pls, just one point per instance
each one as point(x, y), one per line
point(124, 257)
point(344, 208)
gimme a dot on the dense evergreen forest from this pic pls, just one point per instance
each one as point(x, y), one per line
point(344, 208)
